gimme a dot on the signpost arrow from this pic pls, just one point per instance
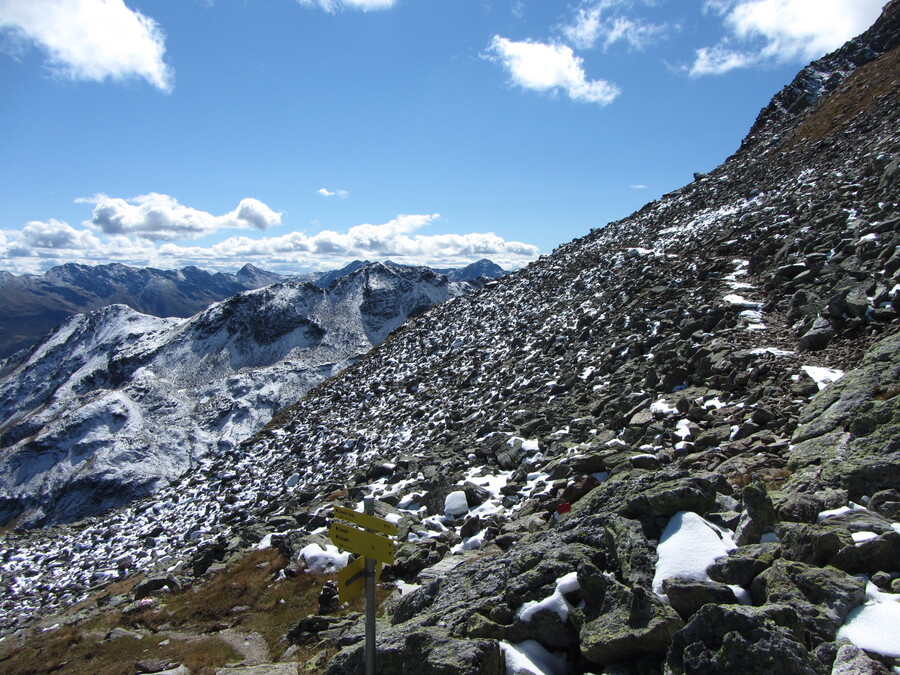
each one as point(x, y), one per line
point(366, 521)
point(364, 543)
point(352, 579)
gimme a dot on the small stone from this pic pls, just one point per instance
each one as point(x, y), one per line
point(816, 337)
point(882, 580)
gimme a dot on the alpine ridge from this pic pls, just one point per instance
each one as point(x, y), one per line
point(670, 446)
point(35, 304)
point(113, 404)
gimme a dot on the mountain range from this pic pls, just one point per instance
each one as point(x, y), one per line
point(670, 446)
point(35, 303)
point(113, 403)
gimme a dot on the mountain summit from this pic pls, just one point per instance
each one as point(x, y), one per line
point(669, 446)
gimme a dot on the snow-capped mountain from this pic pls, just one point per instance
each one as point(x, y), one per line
point(480, 268)
point(114, 403)
point(34, 304)
point(668, 446)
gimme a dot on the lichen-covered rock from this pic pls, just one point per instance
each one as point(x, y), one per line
point(695, 494)
point(741, 565)
point(430, 651)
point(726, 639)
point(846, 437)
point(878, 554)
point(759, 513)
point(624, 624)
point(688, 595)
point(821, 596)
point(851, 660)
point(816, 544)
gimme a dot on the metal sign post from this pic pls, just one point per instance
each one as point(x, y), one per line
point(369, 506)
point(375, 549)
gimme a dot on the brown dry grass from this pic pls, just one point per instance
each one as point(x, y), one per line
point(73, 649)
point(858, 94)
point(887, 394)
point(250, 595)
point(773, 478)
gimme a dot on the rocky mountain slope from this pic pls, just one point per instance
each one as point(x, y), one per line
point(114, 403)
point(35, 304)
point(670, 446)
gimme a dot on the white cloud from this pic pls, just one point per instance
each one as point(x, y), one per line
point(593, 24)
point(638, 187)
point(332, 6)
point(543, 67)
point(91, 39)
point(720, 59)
point(39, 246)
point(161, 218)
point(343, 194)
point(777, 31)
point(388, 240)
point(56, 234)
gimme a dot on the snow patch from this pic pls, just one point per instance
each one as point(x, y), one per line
point(688, 546)
point(555, 602)
point(530, 657)
point(660, 406)
point(875, 625)
point(823, 376)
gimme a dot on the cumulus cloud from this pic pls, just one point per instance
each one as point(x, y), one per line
point(55, 234)
point(39, 246)
point(332, 6)
point(548, 67)
point(160, 217)
point(387, 240)
point(778, 31)
point(599, 23)
point(343, 194)
point(90, 39)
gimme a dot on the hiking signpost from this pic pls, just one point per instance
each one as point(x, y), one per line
point(369, 541)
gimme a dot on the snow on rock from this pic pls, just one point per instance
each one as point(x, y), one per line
point(455, 504)
point(555, 602)
point(661, 406)
point(875, 625)
point(323, 560)
point(772, 350)
point(742, 302)
point(688, 546)
point(530, 657)
point(841, 510)
point(823, 376)
point(860, 537)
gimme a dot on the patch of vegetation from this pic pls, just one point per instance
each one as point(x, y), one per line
point(78, 649)
point(252, 594)
point(888, 394)
point(861, 92)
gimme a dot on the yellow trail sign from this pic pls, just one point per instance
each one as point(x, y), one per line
point(364, 543)
point(366, 521)
point(352, 579)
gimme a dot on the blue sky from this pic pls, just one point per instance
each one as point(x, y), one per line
point(303, 134)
